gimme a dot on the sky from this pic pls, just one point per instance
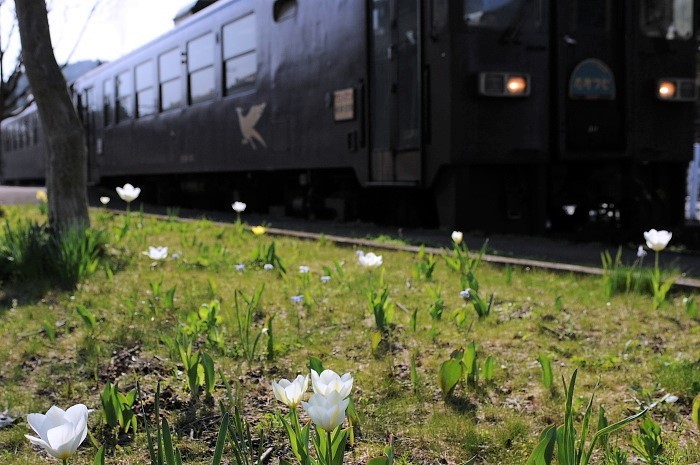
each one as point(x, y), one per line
point(115, 28)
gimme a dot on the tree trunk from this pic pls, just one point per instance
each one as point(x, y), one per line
point(66, 166)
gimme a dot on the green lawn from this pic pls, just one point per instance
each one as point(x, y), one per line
point(51, 355)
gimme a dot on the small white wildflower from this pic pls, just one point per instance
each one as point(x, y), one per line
point(325, 279)
point(303, 269)
point(297, 299)
point(641, 253)
point(268, 266)
point(240, 267)
point(465, 294)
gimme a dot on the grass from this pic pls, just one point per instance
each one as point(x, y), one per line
point(619, 341)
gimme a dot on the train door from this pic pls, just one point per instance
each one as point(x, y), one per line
point(395, 111)
point(589, 59)
point(87, 113)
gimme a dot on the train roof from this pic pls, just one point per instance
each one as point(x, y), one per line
point(203, 9)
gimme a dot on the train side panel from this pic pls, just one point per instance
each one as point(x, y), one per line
point(280, 118)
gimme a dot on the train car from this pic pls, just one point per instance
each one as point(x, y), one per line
point(494, 115)
point(23, 148)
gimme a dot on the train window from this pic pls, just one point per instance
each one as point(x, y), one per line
point(591, 15)
point(240, 58)
point(284, 9)
point(124, 89)
point(169, 78)
point(107, 96)
point(145, 93)
point(200, 68)
point(201, 84)
point(440, 16)
point(502, 14)
point(669, 19)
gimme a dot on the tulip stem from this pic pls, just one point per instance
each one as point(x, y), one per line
point(330, 448)
point(656, 261)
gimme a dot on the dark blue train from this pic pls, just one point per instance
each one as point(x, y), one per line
point(494, 115)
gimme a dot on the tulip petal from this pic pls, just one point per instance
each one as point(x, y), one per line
point(61, 439)
point(76, 413)
point(37, 441)
point(36, 422)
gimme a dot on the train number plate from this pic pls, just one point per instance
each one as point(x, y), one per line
point(344, 104)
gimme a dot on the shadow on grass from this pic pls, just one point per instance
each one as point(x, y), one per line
point(14, 294)
point(461, 405)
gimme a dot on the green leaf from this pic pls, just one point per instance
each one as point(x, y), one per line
point(488, 368)
point(451, 371)
point(209, 374)
point(100, 456)
point(542, 455)
point(375, 340)
point(167, 443)
point(610, 429)
point(547, 373)
point(221, 438)
point(338, 441)
point(87, 317)
point(696, 411)
point(316, 364)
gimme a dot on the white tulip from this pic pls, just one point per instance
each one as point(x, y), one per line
point(128, 193)
point(329, 381)
point(657, 240)
point(327, 411)
point(238, 207)
point(457, 237)
point(60, 432)
point(104, 200)
point(370, 260)
point(291, 392)
point(157, 253)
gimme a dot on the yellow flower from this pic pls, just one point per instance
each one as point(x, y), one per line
point(258, 230)
point(41, 196)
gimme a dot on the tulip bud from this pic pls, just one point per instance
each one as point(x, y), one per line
point(657, 240)
point(327, 411)
point(329, 381)
point(291, 392)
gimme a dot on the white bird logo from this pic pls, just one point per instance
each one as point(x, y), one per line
point(247, 123)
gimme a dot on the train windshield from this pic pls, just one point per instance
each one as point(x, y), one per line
point(669, 19)
point(501, 14)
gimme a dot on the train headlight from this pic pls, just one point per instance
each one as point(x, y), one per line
point(676, 89)
point(516, 85)
point(666, 90)
point(495, 84)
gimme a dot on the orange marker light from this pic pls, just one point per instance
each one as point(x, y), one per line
point(666, 90)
